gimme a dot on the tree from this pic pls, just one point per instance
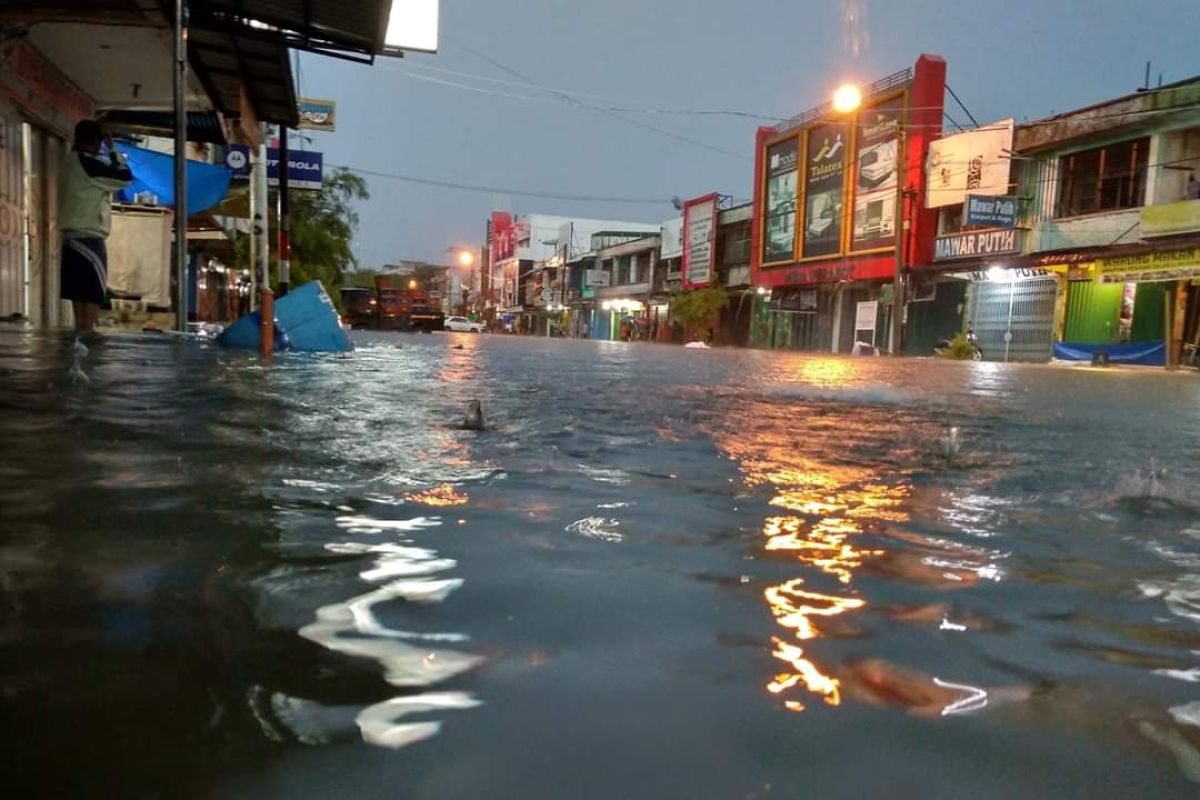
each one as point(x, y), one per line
point(323, 225)
point(697, 307)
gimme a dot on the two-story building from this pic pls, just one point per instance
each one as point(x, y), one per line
point(1114, 215)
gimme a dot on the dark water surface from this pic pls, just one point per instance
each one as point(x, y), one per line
point(659, 573)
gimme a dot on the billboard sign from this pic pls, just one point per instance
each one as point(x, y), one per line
point(412, 25)
point(317, 115)
point(699, 245)
point(990, 212)
point(504, 237)
point(824, 188)
point(975, 162)
point(779, 239)
point(876, 174)
point(672, 238)
point(1171, 219)
point(305, 167)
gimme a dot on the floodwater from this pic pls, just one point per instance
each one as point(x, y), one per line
point(658, 573)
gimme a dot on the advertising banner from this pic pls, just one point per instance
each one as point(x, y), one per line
point(1171, 265)
point(504, 237)
point(824, 184)
point(990, 212)
point(305, 167)
point(975, 162)
point(672, 238)
point(699, 247)
point(597, 277)
point(875, 176)
point(317, 115)
point(973, 244)
point(779, 240)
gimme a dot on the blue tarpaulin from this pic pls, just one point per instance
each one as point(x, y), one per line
point(1150, 354)
point(305, 320)
point(207, 184)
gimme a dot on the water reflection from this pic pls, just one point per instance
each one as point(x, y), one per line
point(830, 505)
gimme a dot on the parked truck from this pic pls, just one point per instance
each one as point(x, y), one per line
point(395, 303)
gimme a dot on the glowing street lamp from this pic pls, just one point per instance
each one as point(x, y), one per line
point(847, 99)
point(466, 258)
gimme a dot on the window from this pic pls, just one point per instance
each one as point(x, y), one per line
point(622, 270)
point(1103, 179)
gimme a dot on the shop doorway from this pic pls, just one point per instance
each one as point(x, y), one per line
point(1014, 320)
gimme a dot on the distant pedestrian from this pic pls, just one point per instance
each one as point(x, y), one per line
point(85, 219)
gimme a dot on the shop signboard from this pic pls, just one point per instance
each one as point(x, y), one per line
point(412, 26)
point(305, 167)
point(977, 244)
point(672, 239)
point(824, 187)
point(876, 174)
point(779, 241)
point(597, 277)
point(317, 115)
point(974, 162)
point(38, 87)
point(865, 317)
point(1170, 265)
point(699, 250)
point(1171, 219)
point(990, 212)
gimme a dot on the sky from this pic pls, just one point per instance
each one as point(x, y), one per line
point(471, 115)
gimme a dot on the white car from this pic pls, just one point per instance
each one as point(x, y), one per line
point(463, 325)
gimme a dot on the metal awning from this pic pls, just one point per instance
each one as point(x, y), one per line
point(225, 61)
point(202, 126)
point(332, 27)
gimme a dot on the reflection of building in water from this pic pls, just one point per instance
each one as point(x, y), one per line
point(827, 508)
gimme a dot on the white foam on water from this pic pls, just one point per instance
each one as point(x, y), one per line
point(599, 528)
point(1187, 714)
point(370, 523)
point(380, 727)
point(870, 395)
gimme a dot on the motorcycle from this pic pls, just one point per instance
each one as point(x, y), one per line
point(976, 352)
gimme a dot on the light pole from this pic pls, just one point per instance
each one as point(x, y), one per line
point(466, 259)
point(847, 100)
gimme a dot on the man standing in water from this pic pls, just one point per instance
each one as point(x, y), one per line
point(85, 219)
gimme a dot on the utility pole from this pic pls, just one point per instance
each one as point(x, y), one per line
point(181, 215)
point(901, 227)
point(261, 227)
point(285, 244)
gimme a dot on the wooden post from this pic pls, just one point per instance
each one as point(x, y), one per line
point(1178, 320)
point(266, 342)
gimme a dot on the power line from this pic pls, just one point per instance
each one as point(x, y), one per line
point(466, 187)
point(628, 106)
point(575, 101)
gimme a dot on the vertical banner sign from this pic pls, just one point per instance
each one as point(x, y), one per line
point(699, 231)
point(875, 175)
point(825, 175)
point(779, 240)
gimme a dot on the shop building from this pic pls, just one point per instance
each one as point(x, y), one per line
point(835, 196)
point(1114, 214)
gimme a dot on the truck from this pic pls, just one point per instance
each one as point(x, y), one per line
point(395, 303)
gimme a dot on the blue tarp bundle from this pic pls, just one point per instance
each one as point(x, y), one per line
point(1150, 354)
point(207, 184)
point(305, 320)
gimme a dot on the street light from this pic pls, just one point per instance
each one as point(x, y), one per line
point(466, 258)
point(847, 99)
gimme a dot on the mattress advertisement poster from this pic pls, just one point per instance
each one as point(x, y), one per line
point(779, 240)
point(876, 172)
point(825, 174)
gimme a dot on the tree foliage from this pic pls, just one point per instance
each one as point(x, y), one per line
point(698, 306)
point(323, 225)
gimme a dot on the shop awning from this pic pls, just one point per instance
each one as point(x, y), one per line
point(333, 27)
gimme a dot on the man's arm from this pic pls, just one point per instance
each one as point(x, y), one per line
point(110, 175)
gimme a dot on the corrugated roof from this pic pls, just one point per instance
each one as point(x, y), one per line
point(358, 26)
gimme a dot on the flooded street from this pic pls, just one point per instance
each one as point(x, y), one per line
point(657, 572)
